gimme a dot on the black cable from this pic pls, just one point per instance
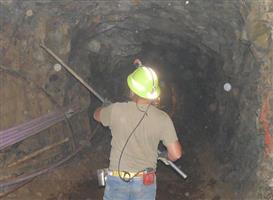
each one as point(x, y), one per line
point(131, 134)
point(122, 151)
point(143, 111)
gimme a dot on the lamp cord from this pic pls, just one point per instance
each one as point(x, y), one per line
point(122, 151)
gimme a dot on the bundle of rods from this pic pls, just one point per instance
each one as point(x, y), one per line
point(18, 133)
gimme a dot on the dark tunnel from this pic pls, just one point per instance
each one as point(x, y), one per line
point(210, 78)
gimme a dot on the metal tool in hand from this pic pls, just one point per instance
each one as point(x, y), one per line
point(73, 73)
point(179, 171)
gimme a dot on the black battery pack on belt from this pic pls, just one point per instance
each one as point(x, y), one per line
point(148, 176)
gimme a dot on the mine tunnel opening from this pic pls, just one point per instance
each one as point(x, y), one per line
point(188, 84)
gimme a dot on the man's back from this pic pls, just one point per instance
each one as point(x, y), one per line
point(141, 150)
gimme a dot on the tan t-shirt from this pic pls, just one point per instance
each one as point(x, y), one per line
point(141, 150)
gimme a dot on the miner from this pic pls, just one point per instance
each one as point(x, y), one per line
point(137, 127)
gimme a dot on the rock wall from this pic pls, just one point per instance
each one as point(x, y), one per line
point(32, 86)
point(200, 46)
point(258, 32)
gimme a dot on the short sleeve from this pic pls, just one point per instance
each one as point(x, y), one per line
point(105, 115)
point(168, 134)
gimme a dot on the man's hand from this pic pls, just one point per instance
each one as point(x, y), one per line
point(163, 156)
point(137, 63)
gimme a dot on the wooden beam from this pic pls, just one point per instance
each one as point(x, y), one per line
point(30, 156)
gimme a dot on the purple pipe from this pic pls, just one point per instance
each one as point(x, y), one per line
point(19, 137)
point(30, 131)
point(30, 126)
point(27, 124)
point(12, 139)
point(16, 134)
point(36, 120)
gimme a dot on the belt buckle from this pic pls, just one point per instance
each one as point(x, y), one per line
point(127, 176)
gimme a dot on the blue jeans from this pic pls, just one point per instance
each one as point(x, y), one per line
point(117, 189)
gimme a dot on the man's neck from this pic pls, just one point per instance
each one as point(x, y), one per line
point(142, 101)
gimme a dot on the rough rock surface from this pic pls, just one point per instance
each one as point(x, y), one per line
point(196, 47)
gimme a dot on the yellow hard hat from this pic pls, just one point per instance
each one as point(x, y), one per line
point(144, 83)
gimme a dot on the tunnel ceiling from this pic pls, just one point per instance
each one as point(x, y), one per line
point(208, 24)
point(195, 46)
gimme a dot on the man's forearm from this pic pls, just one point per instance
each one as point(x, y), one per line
point(174, 151)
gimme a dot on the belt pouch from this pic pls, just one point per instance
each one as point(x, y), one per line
point(148, 178)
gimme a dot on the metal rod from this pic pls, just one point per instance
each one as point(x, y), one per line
point(73, 73)
point(179, 171)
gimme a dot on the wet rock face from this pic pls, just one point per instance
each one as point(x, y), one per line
point(196, 48)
